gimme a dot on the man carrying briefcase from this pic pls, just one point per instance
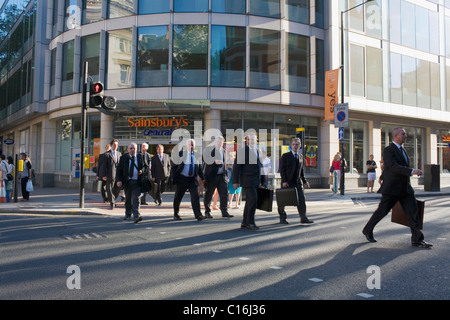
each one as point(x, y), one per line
point(293, 176)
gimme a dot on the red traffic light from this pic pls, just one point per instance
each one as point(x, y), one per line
point(97, 87)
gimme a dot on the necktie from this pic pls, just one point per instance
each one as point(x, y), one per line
point(131, 171)
point(191, 165)
point(296, 156)
point(404, 155)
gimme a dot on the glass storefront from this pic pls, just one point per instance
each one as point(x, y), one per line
point(355, 147)
point(443, 150)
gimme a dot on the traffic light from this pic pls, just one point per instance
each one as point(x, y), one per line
point(96, 95)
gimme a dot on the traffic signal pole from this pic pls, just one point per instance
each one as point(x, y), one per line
point(83, 132)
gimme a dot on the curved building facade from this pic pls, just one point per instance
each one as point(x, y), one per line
point(236, 64)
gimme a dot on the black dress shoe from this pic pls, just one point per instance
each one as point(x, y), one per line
point(127, 217)
point(422, 244)
point(200, 218)
point(306, 221)
point(369, 236)
point(176, 217)
point(283, 221)
point(249, 226)
point(208, 215)
point(136, 220)
point(144, 203)
point(227, 215)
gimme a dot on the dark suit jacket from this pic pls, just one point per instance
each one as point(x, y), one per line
point(198, 172)
point(159, 170)
point(212, 169)
point(110, 165)
point(247, 169)
point(396, 173)
point(100, 164)
point(289, 170)
point(124, 167)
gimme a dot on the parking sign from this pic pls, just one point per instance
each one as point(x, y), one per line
point(341, 115)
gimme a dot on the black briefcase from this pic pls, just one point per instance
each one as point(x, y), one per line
point(265, 199)
point(287, 197)
point(399, 216)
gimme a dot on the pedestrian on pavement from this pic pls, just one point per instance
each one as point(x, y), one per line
point(100, 163)
point(147, 160)
point(216, 177)
point(185, 177)
point(11, 169)
point(293, 176)
point(233, 193)
point(160, 169)
point(336, 165)
point(4, 170)
point(247, 174)
point(371, 173)
point(130, 169)
point(25, 175)
point(397, 187)
point(108, 172)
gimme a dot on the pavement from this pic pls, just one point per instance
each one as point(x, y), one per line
point(67, 201)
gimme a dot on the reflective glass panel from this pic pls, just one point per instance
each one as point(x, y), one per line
point(121, 8)
point(153, 56)
point(228, 6)
point(67, 68)
point(265, 8)
point(119, 58)
point(297, 63)
point(297, 10)
point(154, 6)
point(190, 55)
point(227, 56)
point(190, 5)
point(264, 59)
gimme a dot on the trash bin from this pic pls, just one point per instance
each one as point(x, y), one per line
point(432, 177)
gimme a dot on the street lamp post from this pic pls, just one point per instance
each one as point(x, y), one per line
point(342, 180)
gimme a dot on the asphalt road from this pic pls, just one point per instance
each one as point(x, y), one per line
point(161, 259)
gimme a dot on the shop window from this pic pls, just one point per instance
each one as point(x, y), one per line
point(355, 148)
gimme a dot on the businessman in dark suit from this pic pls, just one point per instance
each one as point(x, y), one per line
point(397, 187)
point(160, 170)
point(130, 169)
point(216, 177)
point(247, 173)
point(293, 176)
point(185, 177)
point(109, 167)
point(100, 164)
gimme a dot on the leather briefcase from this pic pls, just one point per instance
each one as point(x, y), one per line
point(287, 197)
point(265, 199)
point(399, 216)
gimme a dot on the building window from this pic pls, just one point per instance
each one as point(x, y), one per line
point(190, 5)
point(155, 6)
point(297, 10)
point(409, 80)
point(67, 68)
point(53, 75)
point(121, 8)
point(230, 6)
point(72, 15)
point(265, 8)
point(374, 62)
point(264, 59)
point(443, 150)
point(227, 56)
point(90, 52)
point(395, 78)
point(119, 58)
point(92, 11)
point(190, 55)
point(297, 63)
point(357, 70)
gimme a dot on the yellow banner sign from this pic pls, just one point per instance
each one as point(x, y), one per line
point(331, 92)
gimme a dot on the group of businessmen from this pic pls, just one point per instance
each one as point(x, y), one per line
point(247, 174)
